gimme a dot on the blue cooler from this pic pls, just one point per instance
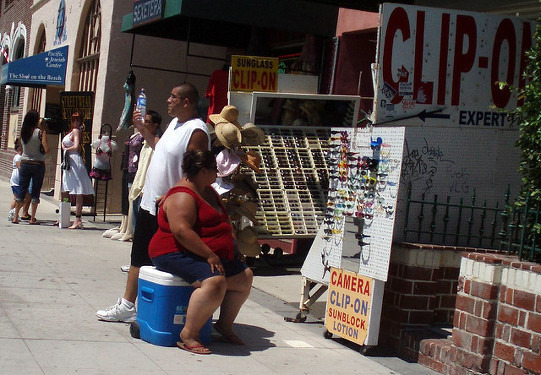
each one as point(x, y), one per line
point(162, 301)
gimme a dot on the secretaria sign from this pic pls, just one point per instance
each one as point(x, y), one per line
point(440, 66)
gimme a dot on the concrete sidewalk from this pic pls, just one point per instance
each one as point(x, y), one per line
point(53, 280)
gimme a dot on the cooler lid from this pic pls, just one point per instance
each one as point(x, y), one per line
point(151, 274)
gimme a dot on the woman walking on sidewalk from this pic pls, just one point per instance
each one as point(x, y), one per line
point(75, 180)
point(35, 147)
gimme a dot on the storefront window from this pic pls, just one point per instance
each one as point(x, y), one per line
point(19, 53)
point(37, 93)
point(90, 49)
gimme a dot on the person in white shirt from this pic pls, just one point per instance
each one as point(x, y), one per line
point(186, 132)
point(14, 182)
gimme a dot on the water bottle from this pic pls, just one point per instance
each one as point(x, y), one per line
point(142, 104)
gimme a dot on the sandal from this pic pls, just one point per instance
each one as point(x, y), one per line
point(195, 349)
point(33, 222)
point(27, 217)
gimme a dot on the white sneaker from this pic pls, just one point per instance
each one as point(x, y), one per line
point(117, 236)
point(119, 312)
point(110, 232)
point(125, 268)
point(11, 214)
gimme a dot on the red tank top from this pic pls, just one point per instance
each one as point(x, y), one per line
point(213, 228)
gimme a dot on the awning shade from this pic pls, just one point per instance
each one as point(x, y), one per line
point(47, 68)
point(228, 22)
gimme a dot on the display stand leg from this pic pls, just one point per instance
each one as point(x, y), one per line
point(95, 199)
point(307, 300)
point(105, 200)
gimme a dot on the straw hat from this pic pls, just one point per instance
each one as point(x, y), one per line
point(252, 135)
point(252, 159)
point(247, 209)
point(229, 113)
point(247, 242)
point(228, 134)
point(227, 162)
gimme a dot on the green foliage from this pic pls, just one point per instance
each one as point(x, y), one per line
point(529, 116)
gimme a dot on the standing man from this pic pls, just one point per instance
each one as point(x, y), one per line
point(186, 132)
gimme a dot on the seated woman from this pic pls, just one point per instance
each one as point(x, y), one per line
point(195, 241)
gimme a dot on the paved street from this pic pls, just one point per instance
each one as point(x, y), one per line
point(53, 280)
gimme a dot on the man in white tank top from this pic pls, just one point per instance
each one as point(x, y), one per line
point(185, 132)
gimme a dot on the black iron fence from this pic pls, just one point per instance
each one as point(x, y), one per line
point(507, 228)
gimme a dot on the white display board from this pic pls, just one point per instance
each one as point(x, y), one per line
point(443, 66)
point(357, 229)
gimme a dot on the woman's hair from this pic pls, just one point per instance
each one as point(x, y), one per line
point(194, 161)
point(30, 122)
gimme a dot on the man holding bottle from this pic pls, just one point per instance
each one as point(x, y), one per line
point(185, 132)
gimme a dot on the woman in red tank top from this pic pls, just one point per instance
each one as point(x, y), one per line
point(195, 241)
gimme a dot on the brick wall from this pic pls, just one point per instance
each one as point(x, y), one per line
point(419, 294)
point(17, 11)
point(497, 320)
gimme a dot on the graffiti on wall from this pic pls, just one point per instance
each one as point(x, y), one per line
point(424, 164)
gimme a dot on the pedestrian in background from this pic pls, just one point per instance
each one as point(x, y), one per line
point(35, 146)
point(75, 179)
point(14, 182)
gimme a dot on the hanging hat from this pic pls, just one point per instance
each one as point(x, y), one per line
point(252, 135)
point(229, 113)
point(247, 242)
point(252, 159)
point(247, 209)
point(227, 162)
point(244, 184)
point(228, 134)
point(222, 186)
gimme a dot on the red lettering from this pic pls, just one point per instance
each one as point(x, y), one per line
point(333, 277)
point(463, 62)
point(505, 32)
point(253, 79)
point(444, 54)
point(398, 21)
point(360, 286)
point(526, 45)
point(353, 284)
point(347, 281)
point(264, 80)
point(418, 64)
point(272, 81)
point(363, 325)
point(236, 82)
point(367, 288)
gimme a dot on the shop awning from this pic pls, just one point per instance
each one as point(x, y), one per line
point(228, 22)
point(47, 68)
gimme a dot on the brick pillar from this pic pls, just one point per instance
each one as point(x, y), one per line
point(475, 312)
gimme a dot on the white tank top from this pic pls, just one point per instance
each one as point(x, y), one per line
point(165, 168)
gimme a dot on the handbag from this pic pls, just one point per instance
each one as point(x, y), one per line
point(66, 163)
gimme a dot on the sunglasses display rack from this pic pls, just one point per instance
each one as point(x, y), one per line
point(357, 230)
point(292, 189)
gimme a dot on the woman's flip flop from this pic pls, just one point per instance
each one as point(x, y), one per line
point(196, 349)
